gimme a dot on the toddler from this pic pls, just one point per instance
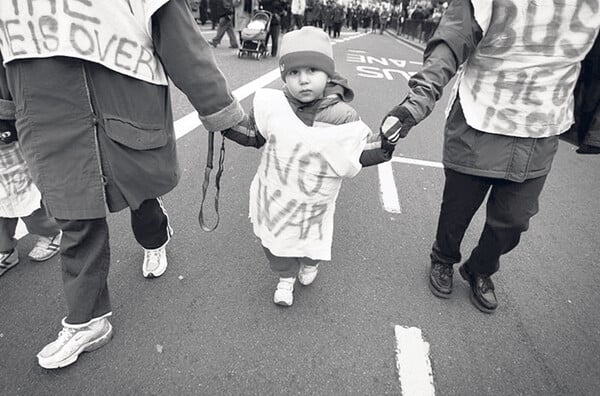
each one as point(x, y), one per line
point(313, 139)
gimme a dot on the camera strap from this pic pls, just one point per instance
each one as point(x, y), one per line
point(207, 171)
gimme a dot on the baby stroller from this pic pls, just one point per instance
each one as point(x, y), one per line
point(253, 38)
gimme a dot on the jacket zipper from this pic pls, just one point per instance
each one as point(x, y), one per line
point(96, 144)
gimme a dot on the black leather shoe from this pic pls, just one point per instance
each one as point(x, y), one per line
point(440, 279)
point(482, 290)
point(212, 43)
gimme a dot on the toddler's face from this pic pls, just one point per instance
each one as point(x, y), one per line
point(306, 83)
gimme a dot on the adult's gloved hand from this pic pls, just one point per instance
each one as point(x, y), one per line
point(396, 124)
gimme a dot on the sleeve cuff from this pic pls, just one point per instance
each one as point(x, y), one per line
point(7, 109)
point(224, 118)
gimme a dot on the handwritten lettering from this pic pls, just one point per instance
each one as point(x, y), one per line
point(80, 28)
point(279, 214)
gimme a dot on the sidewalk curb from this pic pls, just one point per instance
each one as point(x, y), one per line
point(407, 41)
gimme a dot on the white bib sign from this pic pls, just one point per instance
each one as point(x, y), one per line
point(520, 80)
point(114, 33)
point(292, 196)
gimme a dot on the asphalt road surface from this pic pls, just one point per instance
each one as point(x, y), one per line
point(369, 324)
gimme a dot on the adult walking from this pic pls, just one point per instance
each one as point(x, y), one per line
point(275, 7)
point(513, 97)
point(224, 11)
point(95, 124)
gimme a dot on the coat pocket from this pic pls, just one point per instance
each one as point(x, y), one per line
point(137, 136)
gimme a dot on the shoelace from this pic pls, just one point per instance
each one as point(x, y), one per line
point(153, 255)
point(486, 284)
point(65, 334)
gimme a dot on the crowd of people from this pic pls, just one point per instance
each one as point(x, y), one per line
point(327, 14)
point(88, 130)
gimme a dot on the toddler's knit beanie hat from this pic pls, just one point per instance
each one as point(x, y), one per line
point(307, 47)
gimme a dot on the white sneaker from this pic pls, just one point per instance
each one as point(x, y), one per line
point(46, 247)
point(73, 341)
point(155, 262)
point(284, 294)
point(307, 274)
point(8, 260)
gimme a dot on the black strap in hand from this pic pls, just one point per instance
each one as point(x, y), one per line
point(207, 170)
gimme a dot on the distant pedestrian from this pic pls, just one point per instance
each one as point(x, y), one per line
point(313, 139)
point(224, 10)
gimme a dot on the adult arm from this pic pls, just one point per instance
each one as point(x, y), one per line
point(190, 64)
point(454, 40)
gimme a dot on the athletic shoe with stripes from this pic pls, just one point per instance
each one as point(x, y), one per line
point(46, 247)
point(72, 341)
point(284, 294)
point(155, 260)
point(8, 260)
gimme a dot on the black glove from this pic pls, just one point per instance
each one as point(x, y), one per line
point(396, 124)
point(8, 131)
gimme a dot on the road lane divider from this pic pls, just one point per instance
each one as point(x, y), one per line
point(413, 363)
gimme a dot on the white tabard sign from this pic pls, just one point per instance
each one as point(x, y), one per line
point(114, 33)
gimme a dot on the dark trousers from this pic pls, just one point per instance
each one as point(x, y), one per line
point(286, 267)
point(38, 223)
point(509, 207)
point(274, 35)
point(85, 257)
point(225, 26)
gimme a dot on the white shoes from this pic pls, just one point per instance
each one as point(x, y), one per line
point(46, 247)
point(155, 262)
point(307, 274)
point(73, 341)
point(284, 294)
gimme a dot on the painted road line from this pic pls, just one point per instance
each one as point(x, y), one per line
point(387, 187)
point(412, 362)
point(417, 162)
point(387, 183)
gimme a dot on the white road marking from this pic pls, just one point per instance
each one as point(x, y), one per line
point(21, 230)
point(417, 162)
point(387, 183)
point(387, 187)
point(412, 362)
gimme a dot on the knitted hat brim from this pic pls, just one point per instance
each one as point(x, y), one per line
point(314, 59)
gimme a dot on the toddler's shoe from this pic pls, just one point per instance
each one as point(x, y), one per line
point(284, 294)
point(8, 260)
point(72, 341)
point(46, 247)
point(307, 274)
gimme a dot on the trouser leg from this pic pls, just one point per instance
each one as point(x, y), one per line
point(231, 34)
point(220, 30)
point(150, 224)
point(85, 260)
point(8, 227)
point(509, 208)
point(40, 223)
point(284, 267)
point(462, 196)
